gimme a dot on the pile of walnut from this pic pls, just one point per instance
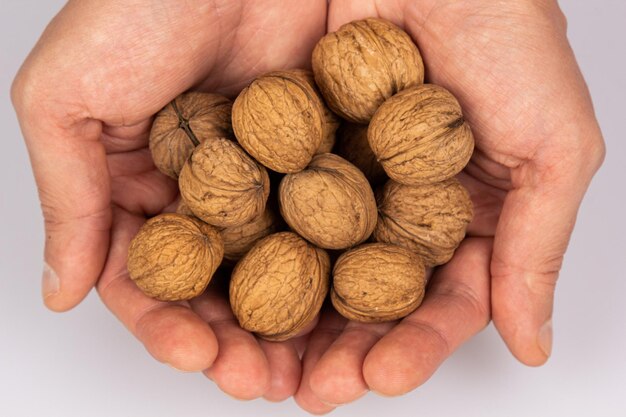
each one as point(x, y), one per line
point(400, 137)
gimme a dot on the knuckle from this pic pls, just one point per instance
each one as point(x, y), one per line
point(559, 16)
point(435, 335)
point(542, 284)
point(17, 89)
point(28, 91)
point(597, 153)
point(472, 304)
point(467, 301)
point(56, 218)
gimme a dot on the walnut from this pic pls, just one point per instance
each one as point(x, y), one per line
point(239, 239)
point(281, 120)
point(331, 124)
point(183, 208)
point(330, 203)
point(278, 287)
point(377, 282)
point(420, 136)
point(173, 257)
point(222, 185)
point(352, 144)
point(430, 219)
point(364, 63)
point(188, 120)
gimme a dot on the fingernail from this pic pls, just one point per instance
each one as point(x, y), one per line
point(50, 284)
point(544, 338)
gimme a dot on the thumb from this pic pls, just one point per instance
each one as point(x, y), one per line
point(69, 164)
point(531, 239)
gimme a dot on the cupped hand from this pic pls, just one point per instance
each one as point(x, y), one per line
point(538, 145)
point(85, 97)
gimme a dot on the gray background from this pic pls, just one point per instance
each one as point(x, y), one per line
point(84, 363)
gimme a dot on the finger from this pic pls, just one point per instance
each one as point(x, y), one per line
point(487, 203)
point(284, 363)
point(533, 233)
point(338, 375)
point(137, 186)
point(328, 329)
point(171, 332)
point(285, 369)
point(126, 138)
point(456, 307)
point(241, 369)
point(70, 170)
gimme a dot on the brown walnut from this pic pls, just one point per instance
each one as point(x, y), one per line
point(364, 63)
point(278, 287)
point(420, 136)
point(330, 130)
point(330, 203)
point(173, 257)
point(429, 219)
point(352, 144)
point(377, 282)
point(222, 185)
point(184, 123)
point(281, 120)
point(239, 239)
point(183, 208)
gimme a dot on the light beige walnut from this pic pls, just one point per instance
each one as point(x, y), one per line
point(222, 185)
point(352, 145)
point(279, 286)
point(364, 63)
point(239, 239)
point(430, 220)
point(173, 257)
point(191, 118)
point(377, 282)
point(330, 203)
point(420, 136)
point(281, 120)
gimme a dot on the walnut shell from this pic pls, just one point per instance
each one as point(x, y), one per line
point(377, 282)
point(183, 208)
point(239, 239)
point(364, 63)
point(352, 144)
point(173, 257)
point(191, 118)
point(420, 136)
point(280, 120)
point(222, 185)
point(429, 219)
point(278, 287)
point(330, 203)
point(331, 124)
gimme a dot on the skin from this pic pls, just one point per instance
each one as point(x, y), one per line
point(85, 96)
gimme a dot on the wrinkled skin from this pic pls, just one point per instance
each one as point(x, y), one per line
point(85, 96)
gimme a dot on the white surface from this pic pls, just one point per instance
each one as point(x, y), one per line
point(84, 363)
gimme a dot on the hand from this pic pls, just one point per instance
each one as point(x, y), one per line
point(85, 97)
point(537, 147)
